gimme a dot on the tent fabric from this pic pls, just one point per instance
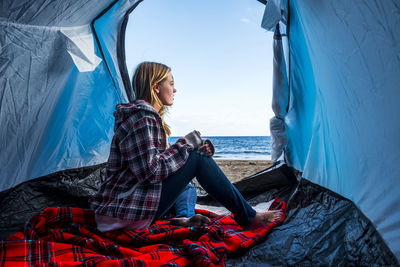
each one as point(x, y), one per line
point(321, 229)
point(275, 19)
point(276, 11)
point(58, 87)
point(68, 236)
point(110, 35)
point(67, 188)
point(341, 129)
point(280, 93)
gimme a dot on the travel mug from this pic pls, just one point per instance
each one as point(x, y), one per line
point(194, 138)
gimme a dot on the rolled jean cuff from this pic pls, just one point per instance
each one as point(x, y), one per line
point(244, 221)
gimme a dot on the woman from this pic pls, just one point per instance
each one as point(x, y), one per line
point(145, 176)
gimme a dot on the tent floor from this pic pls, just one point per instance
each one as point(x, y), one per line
point(321, 228)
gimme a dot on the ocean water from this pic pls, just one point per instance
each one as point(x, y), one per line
point(239, 147)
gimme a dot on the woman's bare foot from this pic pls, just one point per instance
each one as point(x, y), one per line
point(196, 220)
point(180, 221)
point(199, 220)
point(265, 218)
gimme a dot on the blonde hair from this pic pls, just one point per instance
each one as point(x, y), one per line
point(147, 75)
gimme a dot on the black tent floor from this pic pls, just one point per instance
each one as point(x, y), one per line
point(321, 228)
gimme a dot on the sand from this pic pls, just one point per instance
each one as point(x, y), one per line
point(235, 170)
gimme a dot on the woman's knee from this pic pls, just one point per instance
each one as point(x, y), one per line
point(194, 158)
point(200, 163)
point(192, 155)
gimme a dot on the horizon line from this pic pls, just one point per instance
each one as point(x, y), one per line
point(226, 136)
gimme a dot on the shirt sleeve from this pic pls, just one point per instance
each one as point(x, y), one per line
point(140, 149)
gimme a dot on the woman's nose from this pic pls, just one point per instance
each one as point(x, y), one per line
point(174, 90)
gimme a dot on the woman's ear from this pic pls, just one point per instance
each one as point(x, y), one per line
point(156, 88)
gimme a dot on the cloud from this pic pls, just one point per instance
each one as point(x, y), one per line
point(244, 20)
point(249, 9)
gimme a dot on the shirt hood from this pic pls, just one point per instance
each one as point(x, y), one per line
point(125, 110)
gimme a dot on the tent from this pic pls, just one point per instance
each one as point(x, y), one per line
point(337, 70)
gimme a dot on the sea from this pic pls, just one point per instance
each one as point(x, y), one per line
point(238, 147)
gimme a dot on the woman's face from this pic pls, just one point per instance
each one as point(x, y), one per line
point(166, 90)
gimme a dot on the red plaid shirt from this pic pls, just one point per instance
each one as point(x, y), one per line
point(138, 162)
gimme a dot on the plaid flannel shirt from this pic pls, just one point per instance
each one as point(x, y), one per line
point(139, 160)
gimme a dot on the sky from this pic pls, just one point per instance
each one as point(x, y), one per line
point(220, 57)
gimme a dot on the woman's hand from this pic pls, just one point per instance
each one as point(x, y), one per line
point(207, 148)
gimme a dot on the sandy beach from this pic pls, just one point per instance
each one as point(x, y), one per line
point(235, 170)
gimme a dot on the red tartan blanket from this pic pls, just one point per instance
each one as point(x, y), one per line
point(68, 237)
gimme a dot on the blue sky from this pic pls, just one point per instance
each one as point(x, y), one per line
point(220, 57)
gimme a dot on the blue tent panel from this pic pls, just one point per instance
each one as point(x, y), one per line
point(342, 129)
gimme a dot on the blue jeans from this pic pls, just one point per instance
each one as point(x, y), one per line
point(186, 202)
point(212, 179)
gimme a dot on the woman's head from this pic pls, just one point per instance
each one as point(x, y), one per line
point(153, 82)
